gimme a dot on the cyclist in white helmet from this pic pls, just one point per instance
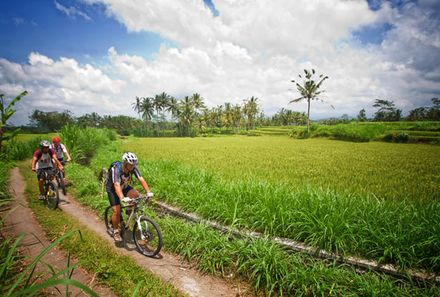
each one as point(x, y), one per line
point(118, 186)
point(43, 160)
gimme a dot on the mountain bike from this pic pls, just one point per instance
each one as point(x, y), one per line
point(145, 231)
point(51, 195)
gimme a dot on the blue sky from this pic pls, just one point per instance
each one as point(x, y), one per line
point(94, 54)
point(28, 26)
point(39, 26)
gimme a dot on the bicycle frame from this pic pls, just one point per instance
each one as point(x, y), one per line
point(134, 216)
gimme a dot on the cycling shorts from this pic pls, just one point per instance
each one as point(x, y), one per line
point(40, 172)
point(113, 197)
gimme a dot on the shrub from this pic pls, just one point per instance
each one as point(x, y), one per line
point(83, 142)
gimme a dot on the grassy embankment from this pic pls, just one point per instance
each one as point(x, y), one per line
point(413, 132)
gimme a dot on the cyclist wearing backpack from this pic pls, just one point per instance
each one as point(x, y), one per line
point(60, 149)
point(118, 186)
point(43, 160)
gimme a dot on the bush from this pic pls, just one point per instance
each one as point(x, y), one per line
point(396, 137)
point(19, 150)
point(83, 142)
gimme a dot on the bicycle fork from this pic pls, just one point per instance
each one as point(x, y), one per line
point(143, 237)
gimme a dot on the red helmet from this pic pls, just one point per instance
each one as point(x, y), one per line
point(56, 139)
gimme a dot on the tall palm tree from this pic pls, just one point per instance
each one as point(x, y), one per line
point(187, 113)
point(197, 102)
point(137, 105)
point(172, 107)
point(309, 90)
point(250, 110)
point(147, 109)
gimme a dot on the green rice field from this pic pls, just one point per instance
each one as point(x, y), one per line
point(374, 200)
point(386, 170)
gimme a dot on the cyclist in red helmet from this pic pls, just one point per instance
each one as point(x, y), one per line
point(60, 150)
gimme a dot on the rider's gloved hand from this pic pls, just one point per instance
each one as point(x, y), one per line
point(150, 194)
point(126, 200)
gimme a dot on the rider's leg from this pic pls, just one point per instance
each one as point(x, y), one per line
point(132, 193)
point(41, 186)
point(116, 216)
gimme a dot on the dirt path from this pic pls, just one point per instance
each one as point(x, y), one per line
point(22, 220)
point(168, 267)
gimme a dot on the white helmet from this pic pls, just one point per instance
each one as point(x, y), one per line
point(130, 158)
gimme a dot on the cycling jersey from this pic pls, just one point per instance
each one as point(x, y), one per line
point(116, 175)
point(59, 150)
point(44, 160)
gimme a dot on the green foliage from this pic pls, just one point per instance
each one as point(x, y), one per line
point(21, 150)
point(367, 131)
point(83, 142)
point(396, 137)
point(387, 111)
point(6, 111)
point(51, 121)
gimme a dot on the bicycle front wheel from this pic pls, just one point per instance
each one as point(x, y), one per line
point(52, 195)
point(147, 237)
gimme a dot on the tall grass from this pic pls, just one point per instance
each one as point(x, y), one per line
point(83, 142)
point(269, 269)
point(386, 230)
point(21, 150)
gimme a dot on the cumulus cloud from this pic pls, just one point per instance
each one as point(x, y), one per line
point(255, 48)
point(59, 85)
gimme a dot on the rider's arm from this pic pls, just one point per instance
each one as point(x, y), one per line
point(67, 153)
point(118, 190)
point(144, 184)
point(34, 161)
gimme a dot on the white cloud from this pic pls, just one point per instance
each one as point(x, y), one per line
point(71, 11)
point(253, 48)
point(59, 85)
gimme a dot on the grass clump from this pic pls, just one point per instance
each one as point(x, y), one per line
point(83, 142)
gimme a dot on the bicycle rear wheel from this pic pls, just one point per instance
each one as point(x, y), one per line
point(52, 195)
point(147, 237)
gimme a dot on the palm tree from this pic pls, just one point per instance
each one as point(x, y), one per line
point(187, 113)
point(309, 91)
point(137, 105)
point(171, 106)
point(147, 109)
point(250, 110)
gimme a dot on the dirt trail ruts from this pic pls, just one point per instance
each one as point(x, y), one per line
point(22, 221)
point(168, 267)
